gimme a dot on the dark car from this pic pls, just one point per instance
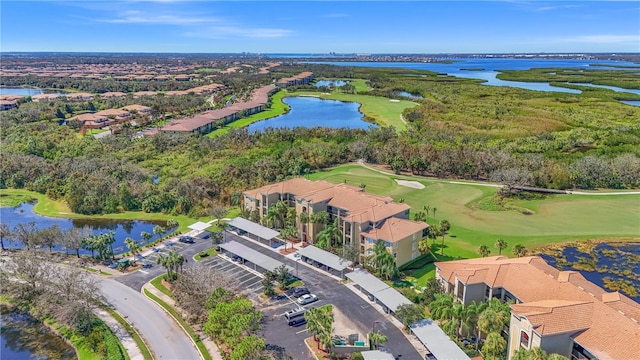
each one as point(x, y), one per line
point(147, 266)
point(186, 239)
point(297, 292)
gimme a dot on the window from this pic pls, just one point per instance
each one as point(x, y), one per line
point(524, 339)
point(387, 244)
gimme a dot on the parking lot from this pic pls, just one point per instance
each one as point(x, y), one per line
point(248, 282)
point(152, 258)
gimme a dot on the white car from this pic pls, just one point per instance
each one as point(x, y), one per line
point(307, 299)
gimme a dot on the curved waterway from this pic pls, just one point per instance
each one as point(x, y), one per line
point(308, 111)
point(24, 338)
point(487, 69)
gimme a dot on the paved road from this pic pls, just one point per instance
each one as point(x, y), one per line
point(330, 291)
point(165, 337)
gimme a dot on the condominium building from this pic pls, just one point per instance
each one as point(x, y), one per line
point(559, 311)
point(363, 218)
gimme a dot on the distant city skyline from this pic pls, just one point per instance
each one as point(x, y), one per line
point(430, 27)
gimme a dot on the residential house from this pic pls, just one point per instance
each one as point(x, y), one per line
point(144, 93)
point(364, 218)
point(92, 121)
point(80, 97)
point(8, 104)
point(118, 115)
point(44, 97)
point(559, 311)
point(112, 94)
point(300, 79)
point(138, 109)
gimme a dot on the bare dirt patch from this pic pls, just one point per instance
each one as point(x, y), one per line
point(411, 184)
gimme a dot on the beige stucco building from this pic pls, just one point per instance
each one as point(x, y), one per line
point(558, 311)
point(363, 218)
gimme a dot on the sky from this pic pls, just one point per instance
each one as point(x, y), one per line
point(508, 26)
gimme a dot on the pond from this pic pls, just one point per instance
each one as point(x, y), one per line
point(607, 265)
point(408, 95)
point(24, 338)
point(308, 111)
point(330, 83)
point(24, 213)
point(22, 91)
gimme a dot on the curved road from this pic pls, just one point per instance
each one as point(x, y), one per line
point(161, 332)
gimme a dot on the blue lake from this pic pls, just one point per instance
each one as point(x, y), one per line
point(20, 91)
point(331, 83)
point(491, 67)
point(308, 111)
point(123, 229)
point(23, 338)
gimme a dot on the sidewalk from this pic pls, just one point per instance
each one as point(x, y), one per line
point(121, 333)
point(211, 347)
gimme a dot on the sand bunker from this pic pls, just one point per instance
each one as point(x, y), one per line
point(411, 184)
point(394, 100)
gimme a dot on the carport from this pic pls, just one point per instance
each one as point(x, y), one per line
point(436, 341)
point(199, 228)
point(333, 262)
point(378, 291)
point(254, 231)
point(261, 262)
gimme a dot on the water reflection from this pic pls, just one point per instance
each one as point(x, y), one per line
point(24, 338)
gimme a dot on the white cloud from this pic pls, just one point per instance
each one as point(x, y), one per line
point(139, 17)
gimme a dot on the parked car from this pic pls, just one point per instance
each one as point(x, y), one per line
point(297, 292)
point(307, 299)
point(147, 266)
point(186, 239)
point(113, 266)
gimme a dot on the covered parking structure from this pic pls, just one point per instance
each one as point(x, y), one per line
point(255, 231)
point(199, 229)
point(436, 341)
point(261, 262)
point(378, 291)
point(325, 260)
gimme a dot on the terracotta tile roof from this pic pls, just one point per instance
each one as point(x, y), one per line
point(395, 229)
point(111, 94)
point(558, 301)
point(136, 107)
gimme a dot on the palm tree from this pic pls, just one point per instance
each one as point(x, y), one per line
point(132, 245)
point(494, 345)
point(376, 338)
point(519, 250)
point(159, 230)
point(172, 261)
point(304, 218)
point(110, 239)
point(320, 218)
point(145, 237)
point(501, 244)
point(312, 317)
point(444, 227)
point(434, 213)
point(423, 246)
point(439, 308)
point(281, 209)
point(484, 250)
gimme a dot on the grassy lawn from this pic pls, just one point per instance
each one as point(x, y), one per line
point(13, 199)
point(189, 330)
point(553, 219)
point(157, 282)
point(205, 254)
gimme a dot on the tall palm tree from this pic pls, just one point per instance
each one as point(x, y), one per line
point(304, 218)
point(145, 237)
point(484, 250)
point(376, 338)
point(312, 317)
point(320, 218)
point(132, 245)
point(281, 210)
point(519, 250)
point(444, 227)
point(501, 244)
